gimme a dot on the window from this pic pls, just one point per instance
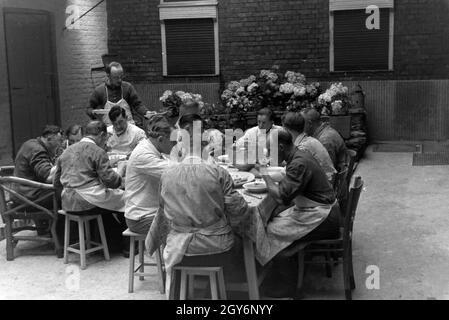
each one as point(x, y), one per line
point(353, 46)
point(189, 31)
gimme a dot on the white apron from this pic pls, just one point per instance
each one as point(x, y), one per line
point(122, 103)
point(102, 197)
point(288, 227)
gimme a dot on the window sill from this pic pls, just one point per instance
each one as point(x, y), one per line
point(362, 71)
point(188, 4)
point(192, 76)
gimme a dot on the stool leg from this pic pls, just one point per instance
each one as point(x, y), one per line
point(103, 238)
point(172, 287)
point(191, 286)
point(131, 265)
point(213, 286)
point(221, 285)
point(82, 244)
point(141, 259)
point(66, 238)
point(88, 234)
point(160, 271)
point(183, 290)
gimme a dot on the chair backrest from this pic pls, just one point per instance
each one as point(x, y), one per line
point(351, 159)
point(354, 196)
point(340, 182)
point(6, 171)
point(7, 190)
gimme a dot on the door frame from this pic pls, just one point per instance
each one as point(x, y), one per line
point(54, 65)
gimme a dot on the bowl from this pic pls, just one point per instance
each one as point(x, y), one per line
point(276, 173)
point(255, 187)
point(223, 159)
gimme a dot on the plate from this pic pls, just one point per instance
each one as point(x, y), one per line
point(256, 187)
point(240, 178)
point(276, 173)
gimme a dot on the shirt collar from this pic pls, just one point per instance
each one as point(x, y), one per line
point(88, 140)
point(320, 129)
point(192, 160)
point(300, 138)
point(266, 131)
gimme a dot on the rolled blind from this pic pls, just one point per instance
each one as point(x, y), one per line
point(355, 46)
point(190, 46)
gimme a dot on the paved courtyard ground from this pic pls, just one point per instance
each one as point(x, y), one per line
point(401, 227)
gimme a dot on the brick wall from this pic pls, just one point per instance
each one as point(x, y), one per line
point(294, 34)
point(77, 51)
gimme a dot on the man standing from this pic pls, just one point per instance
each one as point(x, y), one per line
point(144, 169)
point(89, 183)
point(294, 123)
point(124, 136)
point(35, 161)
point(117, 92)
point(328, 136)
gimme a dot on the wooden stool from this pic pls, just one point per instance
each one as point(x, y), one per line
point(213, 273)
point(140, 270)
point(84, 237)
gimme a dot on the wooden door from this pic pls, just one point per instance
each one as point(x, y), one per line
point(32, 73)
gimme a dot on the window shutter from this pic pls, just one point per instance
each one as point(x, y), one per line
point(190, 46)
point(355, 46)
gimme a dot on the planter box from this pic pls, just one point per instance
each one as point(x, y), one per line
point(342, 124)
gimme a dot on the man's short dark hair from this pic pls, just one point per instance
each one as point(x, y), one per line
point(73, 130)
point(266, 112)
point(115, 112)
point(293, 121)
point(158, 126)
point(189, 119)
point(113, 65)
point(312, 115)
point(95, 128)
point(285, 138)
point(51, 130)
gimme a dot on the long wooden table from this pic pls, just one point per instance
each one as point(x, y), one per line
point(248, 254)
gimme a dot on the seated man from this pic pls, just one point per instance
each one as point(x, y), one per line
point(74, 134)
point(198, 210)
point(89, 183)
point(265, 128)
point(294, 123)
point(124, 136)
point(35, 161)
point(328, 136)
point(144, 169)
point(311, 217)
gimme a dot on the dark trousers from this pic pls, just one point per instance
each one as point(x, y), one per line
point(284, 275)
point(112, 227)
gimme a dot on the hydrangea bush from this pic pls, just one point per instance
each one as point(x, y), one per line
point(172, 101)
point(335, 101)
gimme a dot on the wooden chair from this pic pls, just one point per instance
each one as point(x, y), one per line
point(342, 246)
point(140, 270)
point(85, 244)
point(340, 183)
point(351, 156)
point(187, 274)
point(25, 209)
